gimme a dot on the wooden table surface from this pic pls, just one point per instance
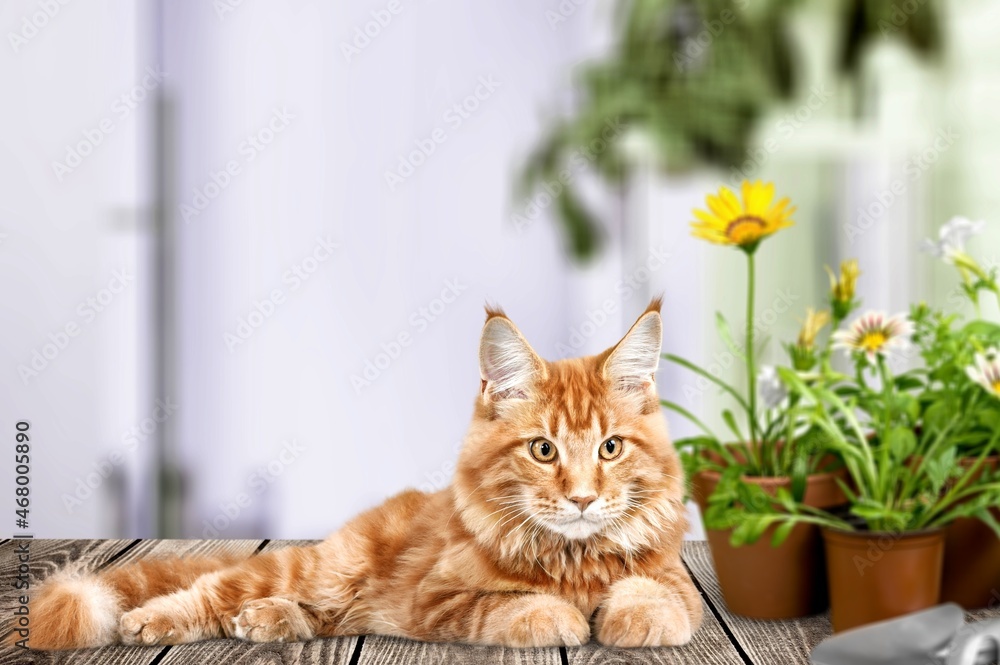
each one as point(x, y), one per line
point(723, 639)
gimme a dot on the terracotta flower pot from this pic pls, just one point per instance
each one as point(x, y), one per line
point(764, 582)
point(875, 576)
point(972, 559)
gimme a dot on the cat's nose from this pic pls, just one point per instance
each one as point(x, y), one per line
point(583, 501)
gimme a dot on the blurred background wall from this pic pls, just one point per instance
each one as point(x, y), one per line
point(285, 302)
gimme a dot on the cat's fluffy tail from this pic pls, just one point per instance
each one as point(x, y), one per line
point(78, 609)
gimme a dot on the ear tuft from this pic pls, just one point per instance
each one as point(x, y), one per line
point(632, 363)
point(508, 365)
point(493, 310)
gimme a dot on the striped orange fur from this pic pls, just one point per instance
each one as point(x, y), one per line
point(522, 550)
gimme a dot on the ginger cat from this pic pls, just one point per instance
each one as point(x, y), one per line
point(565, 520)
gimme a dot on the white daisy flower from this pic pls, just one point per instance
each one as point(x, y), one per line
point(874, 334)
point(986, 371)
point(771, 390)
point(952, 238)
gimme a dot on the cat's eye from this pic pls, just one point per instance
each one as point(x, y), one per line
point(542, 450)
point(611, 448)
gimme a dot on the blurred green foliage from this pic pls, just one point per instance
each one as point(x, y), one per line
point(693, 77)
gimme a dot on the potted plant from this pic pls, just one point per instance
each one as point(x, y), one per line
point(963, 374)
point(885, 552)
point(765, 447)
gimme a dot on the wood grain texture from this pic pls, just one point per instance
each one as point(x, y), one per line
point(163, 548)
point(773, 642)
point(237, 652)
point(382, 650)
point(765, 642)
point(273, 545)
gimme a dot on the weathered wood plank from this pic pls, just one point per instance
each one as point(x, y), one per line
point(278, 544)
point(382, 650)
point(765, 642)
point(164, 548)
point(238, 652)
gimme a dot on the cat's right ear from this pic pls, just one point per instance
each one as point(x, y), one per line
point(508, 366)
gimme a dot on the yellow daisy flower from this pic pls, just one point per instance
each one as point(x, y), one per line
point(729, 221)
point(842, 289)
point(815, 321)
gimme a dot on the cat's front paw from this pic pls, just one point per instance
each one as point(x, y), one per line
point(546, 622)
point(146, 626)
point(272, 620)
point(643, 616)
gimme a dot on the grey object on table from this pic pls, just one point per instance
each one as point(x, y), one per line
point(937, 636)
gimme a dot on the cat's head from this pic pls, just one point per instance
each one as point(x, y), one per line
point(570, 450)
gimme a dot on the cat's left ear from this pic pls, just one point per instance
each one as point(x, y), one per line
point(510, 368)
point(631, 364)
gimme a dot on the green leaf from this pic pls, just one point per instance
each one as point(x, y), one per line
point(673, 406)
point(908, 382)
point(749, 531)
point(726, 334)
point(986, 515)
point(785, 499)
point(939, 414)
point(980, 328)
point(939, 468)
point(795, 384)
point(846, 489)
point(781, 533)
point(706, 375)
point(902, 443)
point(730, 421)
point(799, 476)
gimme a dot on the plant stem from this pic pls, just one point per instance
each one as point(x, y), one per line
point(971, 289)
point(887, 396)
point(751, 369)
